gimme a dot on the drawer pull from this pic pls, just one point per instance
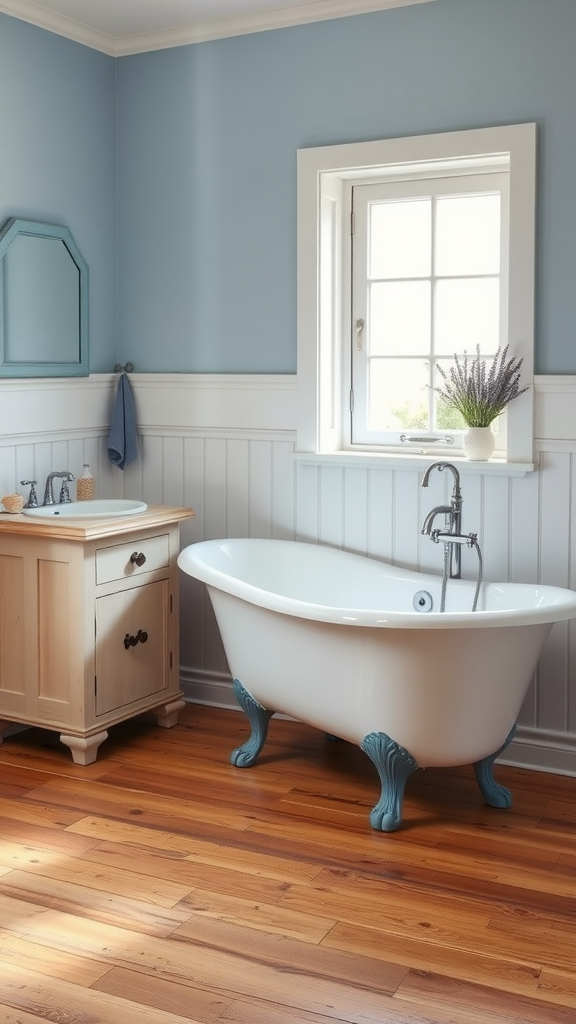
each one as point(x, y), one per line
point(138, 557)
point(140, 638)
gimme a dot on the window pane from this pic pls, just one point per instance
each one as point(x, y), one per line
point(467, 314)
point(398, 394)
point(400, 318)
point(468, 235)
point(400, 239)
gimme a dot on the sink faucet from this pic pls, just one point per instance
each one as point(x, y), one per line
point(453, 520)
point(65, 476)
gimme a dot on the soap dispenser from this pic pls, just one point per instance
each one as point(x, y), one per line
point(85, 484)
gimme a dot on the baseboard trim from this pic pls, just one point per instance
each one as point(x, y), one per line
point(542, 751)
point(212, 688)
point(537, 749)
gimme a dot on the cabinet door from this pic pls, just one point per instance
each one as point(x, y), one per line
point(132, 655)
point(12, 634)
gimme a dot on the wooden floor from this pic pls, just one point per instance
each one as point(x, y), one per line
point(161, 885)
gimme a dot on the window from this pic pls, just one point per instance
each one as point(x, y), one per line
point(428, 281)
point(410, 251)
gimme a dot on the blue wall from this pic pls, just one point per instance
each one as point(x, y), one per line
point(58, 155)
point(206, 140)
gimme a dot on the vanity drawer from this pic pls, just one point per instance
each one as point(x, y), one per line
point(123, 561)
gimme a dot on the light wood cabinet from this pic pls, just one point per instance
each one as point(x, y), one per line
point(89, 624)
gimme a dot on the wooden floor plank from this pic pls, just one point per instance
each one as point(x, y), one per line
point(164, 994)
point(87, 902)
point(109, 800)
point(495, 971)
point(24, 780)
point(42, 751)
point(183, 867)
point(267, 917)
point(45, 838)
point(50, 999)
point(256, 973)
point(241, 1011)
point(282, 869)
point(122, 881)
point(392, 1011)
point(9, 1015)
point(36, 814)
point(240, 883)
point(481, 1003)
point(544, 942)
point(18, 951)
point(215, 781)
point(163, 884)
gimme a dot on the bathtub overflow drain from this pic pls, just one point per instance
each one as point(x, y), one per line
point(422, 601)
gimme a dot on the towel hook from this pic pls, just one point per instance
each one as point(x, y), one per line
point(124, 369)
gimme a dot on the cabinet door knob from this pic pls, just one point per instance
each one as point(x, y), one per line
point(138, 557)
point(131, 641)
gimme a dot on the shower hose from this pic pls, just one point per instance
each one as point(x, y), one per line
point(445, 572)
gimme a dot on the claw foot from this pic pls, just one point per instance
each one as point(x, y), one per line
point(394, 765)
point(258, 717)
point(494, 794)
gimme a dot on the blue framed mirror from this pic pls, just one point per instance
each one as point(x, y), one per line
point(43, 302)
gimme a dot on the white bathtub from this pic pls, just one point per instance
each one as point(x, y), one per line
point(332, 639)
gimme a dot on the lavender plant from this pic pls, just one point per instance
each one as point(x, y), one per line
point(480, 394)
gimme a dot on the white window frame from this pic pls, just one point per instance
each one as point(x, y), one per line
point(323, 268)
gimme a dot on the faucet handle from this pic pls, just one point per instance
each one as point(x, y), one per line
point(65, 492)
point(32, 498)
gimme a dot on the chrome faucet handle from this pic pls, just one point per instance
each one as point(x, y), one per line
point(32, 497)
point(444, 537)
point(64, 493)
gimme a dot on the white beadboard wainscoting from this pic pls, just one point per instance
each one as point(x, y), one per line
point(224, 445)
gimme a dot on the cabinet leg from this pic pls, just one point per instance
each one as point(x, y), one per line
point(166, 715)
point(84, 749)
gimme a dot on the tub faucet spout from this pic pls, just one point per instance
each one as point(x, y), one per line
point(440, 466)
point(453, 513)
point(438, 511)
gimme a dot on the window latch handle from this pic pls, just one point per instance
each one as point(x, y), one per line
point(359, 330)
point(426, 439)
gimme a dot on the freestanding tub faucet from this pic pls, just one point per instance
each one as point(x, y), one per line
point(451, 536)
point(65, 476)
point(453, 514)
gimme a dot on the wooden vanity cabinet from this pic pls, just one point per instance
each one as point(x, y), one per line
point(89, 624)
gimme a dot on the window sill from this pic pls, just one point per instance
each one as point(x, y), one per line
point(381, 460)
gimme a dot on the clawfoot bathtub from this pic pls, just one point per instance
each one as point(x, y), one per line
point(357, 648)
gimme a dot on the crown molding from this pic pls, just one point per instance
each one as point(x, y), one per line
point(198, 32)
point(27, 10)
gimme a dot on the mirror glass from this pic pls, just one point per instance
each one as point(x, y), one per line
point(43, 302)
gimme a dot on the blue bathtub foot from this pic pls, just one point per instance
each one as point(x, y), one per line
point(494, 794)
point(258, 717)
point(394, 765)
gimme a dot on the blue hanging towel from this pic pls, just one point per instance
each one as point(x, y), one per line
point(122, 440)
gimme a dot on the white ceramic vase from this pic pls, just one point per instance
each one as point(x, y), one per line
point(478, 443)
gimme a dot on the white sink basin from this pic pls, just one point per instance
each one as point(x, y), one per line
point(98, 508)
